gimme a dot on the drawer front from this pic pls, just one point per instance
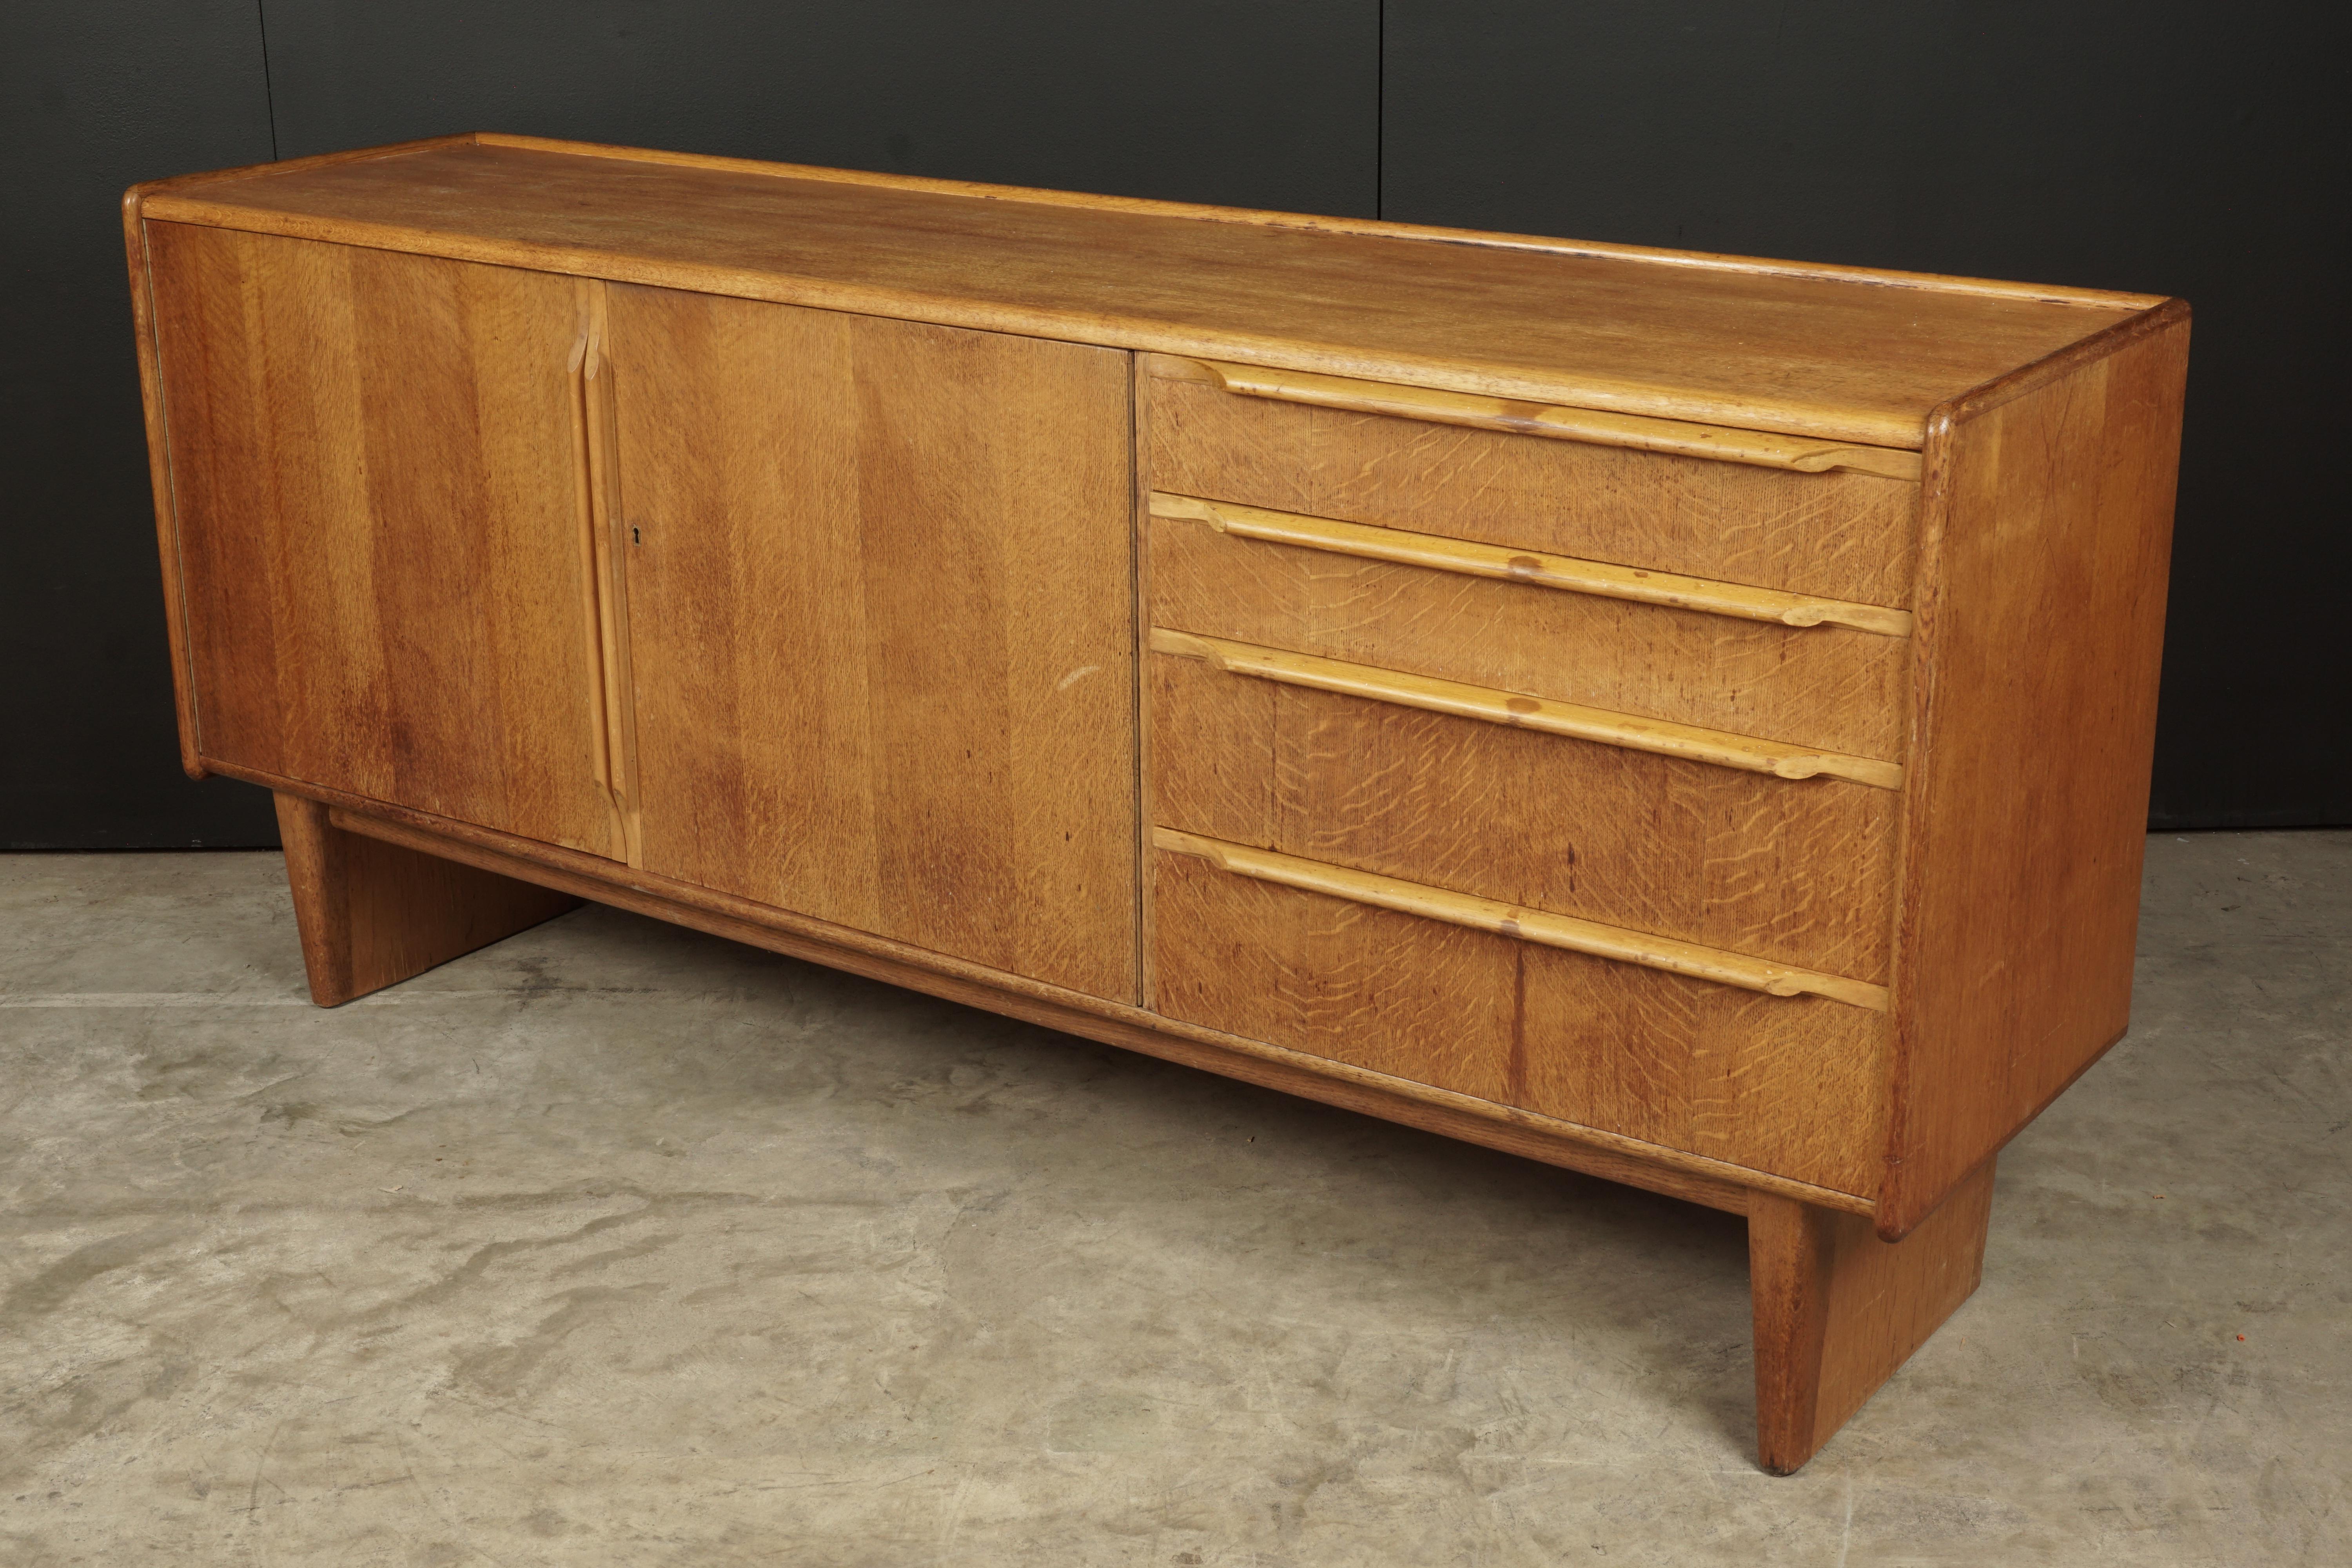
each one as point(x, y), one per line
point(1828, 686)
point(1796, 871)
point(1785, 1085)
point(1838, 534)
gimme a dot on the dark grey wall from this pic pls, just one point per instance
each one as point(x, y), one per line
point(1239, 101)
point(2175, 147)
point(2147, 146)
point(92, 98)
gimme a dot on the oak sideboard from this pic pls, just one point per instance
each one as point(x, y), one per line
point(1680, 717)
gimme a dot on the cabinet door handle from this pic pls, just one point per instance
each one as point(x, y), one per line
point(1484, 702)
point(1592, 937)
point(1761, 448)
point(1563, 572)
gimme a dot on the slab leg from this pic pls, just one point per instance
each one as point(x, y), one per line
point(371, 914)
point(1837, 1310)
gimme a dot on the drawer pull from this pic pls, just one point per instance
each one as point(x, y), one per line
point(1526, 925)
point(1511, 707)
point(1564, 572)
point(1798, 453)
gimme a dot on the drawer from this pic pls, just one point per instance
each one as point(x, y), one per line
point(1536, 624)
point(1786, 1085)
point(1798, 872)
point(1786, 871)
point(1841, 534)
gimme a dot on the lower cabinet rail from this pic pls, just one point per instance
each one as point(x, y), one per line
point(1711, 963)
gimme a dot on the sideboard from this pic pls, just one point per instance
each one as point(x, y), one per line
point(1680, 717)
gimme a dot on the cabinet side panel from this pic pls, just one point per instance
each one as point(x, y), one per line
point(2041, 606)
point(372, 462)
point(158, 474)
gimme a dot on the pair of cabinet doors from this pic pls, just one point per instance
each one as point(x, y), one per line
point(826, 611)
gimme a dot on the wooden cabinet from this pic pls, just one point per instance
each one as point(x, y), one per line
point(1679, 718)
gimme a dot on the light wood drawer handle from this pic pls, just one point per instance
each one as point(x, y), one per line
point(1485, 703)
point(1759, 447)
point(1527, 925)
point(1564, 572)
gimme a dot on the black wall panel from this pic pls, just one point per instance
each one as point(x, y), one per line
point(1273, 105)
point(92, 97)
point(2161, 145)
point(1222, 101)
point(2165, 146)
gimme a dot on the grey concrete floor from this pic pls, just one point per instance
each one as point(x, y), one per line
point(617, 1244)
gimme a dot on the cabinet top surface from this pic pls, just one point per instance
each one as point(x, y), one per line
point(1846, 353)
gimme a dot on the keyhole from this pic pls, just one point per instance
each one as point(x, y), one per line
point(636, 537)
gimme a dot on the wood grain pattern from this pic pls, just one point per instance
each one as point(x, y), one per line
point(1491, 705)
point(1701, 260)
point(1798, 873)
point(1825, 688)
point(1790, 1085)
point(371, 464)
point(1754, 348)
point(371, 914)
point(1784, 1086)
point(1680, 438)
point(1838, 1311)
point(1598, 939)
point(1532, 567)
point(880, 603)
point(2041, 629)
point(158, 483)
point(1506, 1127)
point(1836, 536)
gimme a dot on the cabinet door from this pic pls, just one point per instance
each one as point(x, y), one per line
point(880, 600)
point(376, 478)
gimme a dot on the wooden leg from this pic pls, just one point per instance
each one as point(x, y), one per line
point(1837, 1310)
point(371, 914)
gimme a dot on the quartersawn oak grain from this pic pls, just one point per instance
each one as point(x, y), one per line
point(1504, 564)
point(1829, 688)
point(1839, 536)
point(372, 468)
point(1599, 938)
point(1797, 871)
point(1785, 1085)
point(1559, 424)
point(2041, 611)
point(879, 610)
point(1521, 710)
point(1751, 346)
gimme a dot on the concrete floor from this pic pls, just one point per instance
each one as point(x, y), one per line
point(617, 1244)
